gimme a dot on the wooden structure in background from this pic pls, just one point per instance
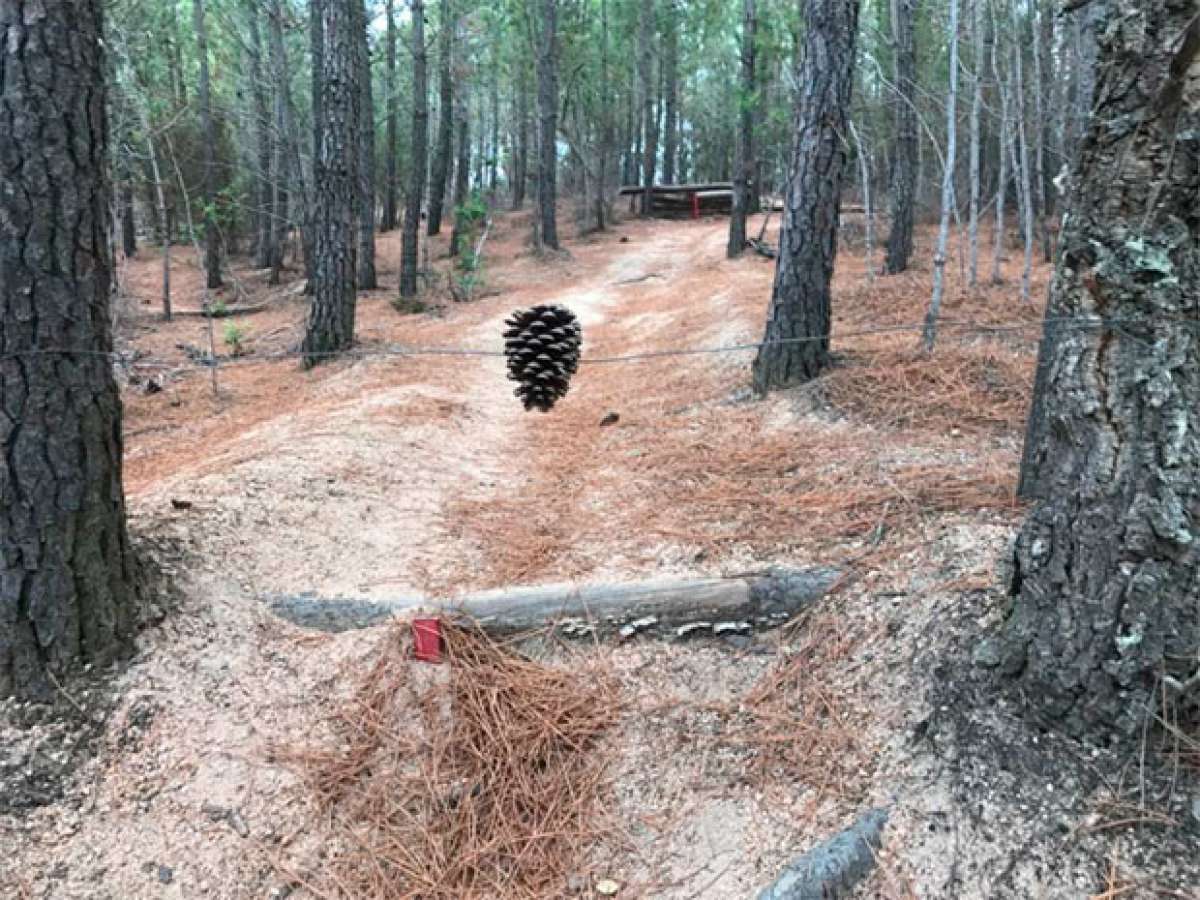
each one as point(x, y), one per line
point(685, 201)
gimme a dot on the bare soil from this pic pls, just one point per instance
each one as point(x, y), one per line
point(387, 473)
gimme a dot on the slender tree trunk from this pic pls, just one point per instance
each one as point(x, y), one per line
point(128, 226)
point(462, 165)
point(278, 224)
point(331, 319)
point(671, 91)
point(646, 79)
point(494, 156)
point(865, 167)
point(420, 139)
point(1002, 141)
point(261, 213)
point(390, 139)
point(796, 343)
point(445, 141)
point(1039, 160)
point(66, 569)
point(212, 239)
point(978, 27)
point(605, 148)
point(521, 157)
point(1022, 163)
point(366, 159)
point(547, 76)
point(905, 162)
point(743, 161)
point(1104, 624)
point(939, 259)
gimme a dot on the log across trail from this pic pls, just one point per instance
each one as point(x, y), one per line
point(670, 608)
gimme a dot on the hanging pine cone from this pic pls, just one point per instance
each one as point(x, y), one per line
point(542, 346)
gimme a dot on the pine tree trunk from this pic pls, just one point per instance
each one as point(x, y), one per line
point(521, 157)
point(212, 239)
point(547, 77)
point(978, 27)
point(390, 138)
point(128, 226)
point(743, 162)
point(646, 81)
point(929, 334)
point(420, 138)
point(799, 313)
point(365, 139)
point(284, 138)
point(907, 145)
point(494, 156)
point(1021, 165)
point(462, 165)
point(1039, 160)
point(331, 319)
point(1106, 566)
point(1002, 141)
point(605, 149)
point(671, 90)
point(445, 142)
point(261, 213)
point(66, 570)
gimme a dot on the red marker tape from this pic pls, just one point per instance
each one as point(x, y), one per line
point(427, 640)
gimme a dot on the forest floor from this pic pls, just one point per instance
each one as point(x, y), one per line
point(384, 475)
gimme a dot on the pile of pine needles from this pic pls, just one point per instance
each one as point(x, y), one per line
point(482, 778)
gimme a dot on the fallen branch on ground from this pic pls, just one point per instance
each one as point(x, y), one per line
point(831, 869)
point(671, 608)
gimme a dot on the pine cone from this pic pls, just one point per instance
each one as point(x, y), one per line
point(542, 346)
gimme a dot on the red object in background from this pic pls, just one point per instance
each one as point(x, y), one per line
point(695, 205)
point(427, 640)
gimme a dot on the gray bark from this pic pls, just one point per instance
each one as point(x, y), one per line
point(833, 868)
point(365, 142)
point(208, 135)
point(1106, 568)
point(547, 78)
point(330, 325)
point(743, 160)
point(678, 607)
point(66, 570)
point(799, 313)
point(1022, 163)
point(445, 141)
point(420, 138)
point(671, 92)
point(929, 334)
point(263, 201)
point(283, 141)
point(462, 165)
point(521, 154)
point(907, 145)
point(978, 29)
point(391, 187)
point(646, 85)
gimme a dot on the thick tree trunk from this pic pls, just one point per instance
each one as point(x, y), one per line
point(66, 571)
point(671, 93)
point(208, 136)
point(646, 83)
point(261, 214)
point(796, 343)
point(907, 145)
point(547, 78)
point(365, 141)
point(278, 224)
point(331, 318)
point(1107, 566)
point(743, 162)
point(391, 188)
point(420, 139)
point(445, 141)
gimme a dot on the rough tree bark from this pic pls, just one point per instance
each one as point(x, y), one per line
point(646, 85)
point(365, 141)
point(261, 213)
point(671, 92)
point(1106, 569)
point(331, 319)
point(1021, 163)
point(212, 239)
point(799, 313)
point(445, 140)
point(904, 159)
point(743, 162)
point(978, 27)
point(284, 142)
point(420, 139)
point(390, 138)
point(547, 78)
point(929, 333)
point(521, 155)
point(462, 164)
point(66, 570)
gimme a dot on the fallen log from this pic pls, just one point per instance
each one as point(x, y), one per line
point(833, 868)
point(674, 609)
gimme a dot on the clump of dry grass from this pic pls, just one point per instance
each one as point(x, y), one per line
point(486, 782)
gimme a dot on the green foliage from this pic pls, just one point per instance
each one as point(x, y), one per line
point(235, 338)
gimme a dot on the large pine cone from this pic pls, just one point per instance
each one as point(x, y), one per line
point(542, 346)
